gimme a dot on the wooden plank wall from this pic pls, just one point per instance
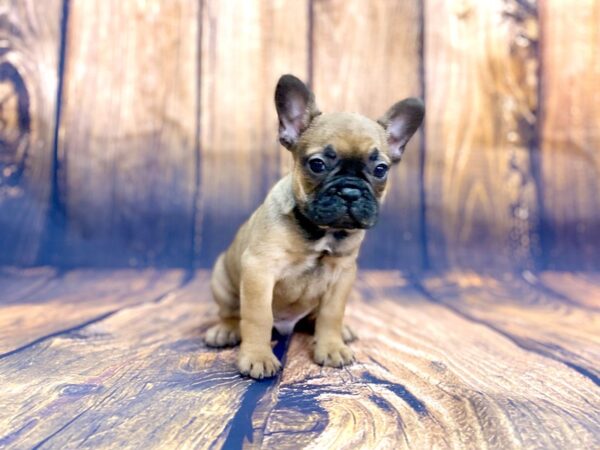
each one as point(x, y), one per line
point(481, 90)
point(570, 132)
point(166, 133)
point(366, 56)
point(29, 59)
point(246, 46)
point(127, 144)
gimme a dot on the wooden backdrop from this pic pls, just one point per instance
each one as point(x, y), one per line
point(142, 132)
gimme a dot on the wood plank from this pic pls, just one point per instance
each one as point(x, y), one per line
point(29, 50)
point(569, 133)
point(534, 318)
point(75, 298)
point(140, 378)
point(481, 85)
point(366, 56)
point(16, 283)
point(426, 377)
point(128, 132)
point(246, 46)
point(579, 287)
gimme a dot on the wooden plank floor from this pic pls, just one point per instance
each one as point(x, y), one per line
point(115, 359)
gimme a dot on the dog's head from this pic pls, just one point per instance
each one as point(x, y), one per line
point(341, 160)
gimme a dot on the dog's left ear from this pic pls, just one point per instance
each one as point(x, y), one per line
point(296, 107)
point(400, 122)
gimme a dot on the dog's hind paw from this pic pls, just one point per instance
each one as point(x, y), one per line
point(333, 354)
point(223, 334)
point(348, 335)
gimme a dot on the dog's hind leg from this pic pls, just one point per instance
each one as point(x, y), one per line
point(307, 325)
point(227, 331)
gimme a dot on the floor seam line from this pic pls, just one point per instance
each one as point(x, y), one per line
point(185, 281)
point(516, 341)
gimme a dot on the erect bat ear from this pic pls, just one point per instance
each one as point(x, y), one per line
point(296, 107)
point(401, 121)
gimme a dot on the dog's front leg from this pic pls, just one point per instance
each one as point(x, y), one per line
point(330, 349)
point(256, 357)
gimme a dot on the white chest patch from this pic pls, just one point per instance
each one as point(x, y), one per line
point(301, 285)
point(325, 244)
point(286, 326)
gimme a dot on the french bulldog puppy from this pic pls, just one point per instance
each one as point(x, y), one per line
point(296, 255)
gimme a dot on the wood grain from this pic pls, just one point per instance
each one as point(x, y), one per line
point(141, 377)
point(128, 132)
point(579, 287)
point(246, 46)
point(569, 133)
point(425, 377)
point(75, 298)
point(534, 318)
point(481, 90)
point(17, 284)
point(366, 56)
point(167, 133)
point(29, 49)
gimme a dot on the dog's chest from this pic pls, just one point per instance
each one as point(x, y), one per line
point(326, 245)
point(302, 284)
point(306, 279)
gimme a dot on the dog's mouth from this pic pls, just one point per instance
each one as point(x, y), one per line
point(345, 203)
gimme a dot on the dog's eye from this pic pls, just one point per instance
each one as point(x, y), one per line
point(317, 165)
point(380, 170)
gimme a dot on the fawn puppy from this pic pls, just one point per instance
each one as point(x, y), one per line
point(296, 255)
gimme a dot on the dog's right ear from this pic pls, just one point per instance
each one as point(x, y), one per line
point(296, 108)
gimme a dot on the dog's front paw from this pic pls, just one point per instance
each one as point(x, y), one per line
point(223, 334)
point(258, 363)
point(333, 354)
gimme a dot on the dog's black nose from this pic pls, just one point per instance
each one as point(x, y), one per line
point(349, 193)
